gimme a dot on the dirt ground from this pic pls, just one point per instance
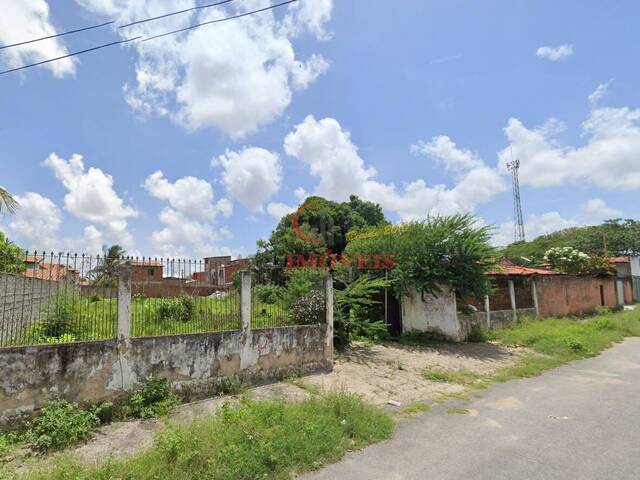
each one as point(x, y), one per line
point(377, 372)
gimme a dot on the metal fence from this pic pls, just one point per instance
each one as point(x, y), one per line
point(41, 299)
point(280, 298)
point(62, 298)
point(176, 296)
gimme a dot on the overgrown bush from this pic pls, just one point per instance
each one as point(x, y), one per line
point(269, 293)
point(58, 315)
point(60, 424)
point(357, 313)
point(300, 282)
point(182, 308)
point(574, 262)
point(308, 309)
point(154, 399)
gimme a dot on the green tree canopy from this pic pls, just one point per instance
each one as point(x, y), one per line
point(438, 252)
point(105, 273)
point(323, 224)
point(612, 238)
point(11, 256)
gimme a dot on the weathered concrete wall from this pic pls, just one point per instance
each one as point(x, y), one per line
point(436, 314)
point(497, 319)
point(195, 364)
point(22, 300)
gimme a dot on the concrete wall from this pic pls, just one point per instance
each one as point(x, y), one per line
point(195, 364)
point(22, 299)
point(497, 319)
point(435, 314)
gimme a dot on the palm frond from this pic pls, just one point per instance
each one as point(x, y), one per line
point(8, 204)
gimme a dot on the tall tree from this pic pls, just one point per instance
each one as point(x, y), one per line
point(318, 224)
point(11, 256)
point(8, 204)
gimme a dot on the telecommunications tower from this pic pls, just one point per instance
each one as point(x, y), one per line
point(518, 223)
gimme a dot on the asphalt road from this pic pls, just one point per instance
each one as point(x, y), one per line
point(581, 421)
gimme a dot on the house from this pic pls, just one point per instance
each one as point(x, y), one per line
point(219, 270)
point(634, 262)
point(36, 267)
point(146, 271)
point(624, 279)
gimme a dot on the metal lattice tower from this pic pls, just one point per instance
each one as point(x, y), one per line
point(518, 222)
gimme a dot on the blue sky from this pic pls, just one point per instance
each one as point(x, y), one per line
point(416, 106)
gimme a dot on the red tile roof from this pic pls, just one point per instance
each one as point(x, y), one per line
point(49, 271)
point(620, 259)
point(507, 267)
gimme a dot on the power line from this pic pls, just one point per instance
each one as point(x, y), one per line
point(197, 25)
point(70, 55)
point(150, 38)
point(201, 7)
point(137, 22)
point(56, 35)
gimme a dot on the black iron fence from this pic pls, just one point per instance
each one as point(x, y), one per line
point(62, 298)
point(282, 298)
point(41, 299)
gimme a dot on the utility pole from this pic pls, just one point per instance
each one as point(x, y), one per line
point(518, 222)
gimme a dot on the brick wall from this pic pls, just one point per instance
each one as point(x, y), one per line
point(567, 295)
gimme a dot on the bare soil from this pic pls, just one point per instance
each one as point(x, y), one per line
point(378, 373)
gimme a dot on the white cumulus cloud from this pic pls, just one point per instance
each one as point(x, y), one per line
point(608, 158)
point(188, 219)
point(91, 196)
point(234, 76)
point(36, 222)
point(22, 20)
point(251, 175)
point(332, 157)
point(555, 53)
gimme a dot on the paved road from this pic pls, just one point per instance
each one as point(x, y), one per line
point(581, 421)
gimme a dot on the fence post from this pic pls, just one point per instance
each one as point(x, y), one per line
point(534, 294)
point(124, 326)
point(328, 305)
point(248, 357)
point(487, 309)
point(512, 295)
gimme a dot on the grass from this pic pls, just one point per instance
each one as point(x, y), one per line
point(415, 408)
point(267, 440)
point(97, 320)
point(552, 341)
point(460, 377)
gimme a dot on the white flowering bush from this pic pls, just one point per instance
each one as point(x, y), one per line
point(567, 259)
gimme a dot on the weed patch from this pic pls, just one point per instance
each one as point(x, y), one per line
point(271, 440)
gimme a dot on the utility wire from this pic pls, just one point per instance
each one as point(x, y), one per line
point(56, 35)
point(70, 55)
point(191, 27)
point(137, 22)
point(201, 7)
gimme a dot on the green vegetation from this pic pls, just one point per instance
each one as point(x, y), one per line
point(105, 274)
point(415, 408)
point(612, 238)
point(68, 318)
point(325, 222)
point(574, 262)
point(357, 313)
point(59, 425)
point(154, 399)
point(11, 256)
point(461, 376)
point(270, 440)
point(438, 252)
